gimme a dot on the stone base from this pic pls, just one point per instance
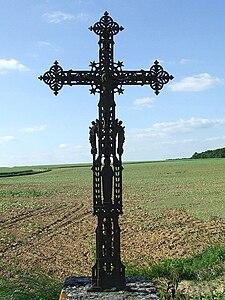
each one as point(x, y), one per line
point(138, 287)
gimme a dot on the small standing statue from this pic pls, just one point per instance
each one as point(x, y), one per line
point(119, 133)
point(93, 133)
point(107, 180)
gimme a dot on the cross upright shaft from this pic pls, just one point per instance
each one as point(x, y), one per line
point(108, 271)
point(107, 138)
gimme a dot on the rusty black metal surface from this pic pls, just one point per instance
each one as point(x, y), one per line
point(107, 137)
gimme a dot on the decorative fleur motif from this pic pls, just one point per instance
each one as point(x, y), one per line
point(93, 64)
point(106, 26)
point(120, 90)
point(93, 90)
point(120, 64)
point(159, 77)
point(54, 77)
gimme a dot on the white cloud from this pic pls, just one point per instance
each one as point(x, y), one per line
point(143, 102)
point(6, 139)
point(70, 147)
point(184, 61)
point(11, 64)
point(82, 17)
point(61, 146)
point(215, 138)
point(63, 154)
point(182, 126)
point(58, 17)
point(196, 83)
point(33, 129)
point(43, 44)
point(72, 153)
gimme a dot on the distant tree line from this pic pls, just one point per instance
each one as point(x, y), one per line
point(218, 153)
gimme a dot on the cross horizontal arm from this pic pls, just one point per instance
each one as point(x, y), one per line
point(97, 77)
point(156, 77)
point(79, 78)
point(56, 78)
point(139, 77)
point(144, 78)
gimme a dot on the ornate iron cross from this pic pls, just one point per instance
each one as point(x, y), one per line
point(107, 138)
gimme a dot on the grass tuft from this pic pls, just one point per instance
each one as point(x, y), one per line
point(209, 265)
point(30, 287)
point(205, 266)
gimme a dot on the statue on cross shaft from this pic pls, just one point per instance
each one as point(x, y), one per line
point(107, 138)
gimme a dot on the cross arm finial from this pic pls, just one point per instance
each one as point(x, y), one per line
point(54, 77)
point(106, 26)
point(158, 77)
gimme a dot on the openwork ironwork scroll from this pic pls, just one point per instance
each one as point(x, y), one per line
point(107, 136)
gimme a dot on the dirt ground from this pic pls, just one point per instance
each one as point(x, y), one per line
point(60, 239)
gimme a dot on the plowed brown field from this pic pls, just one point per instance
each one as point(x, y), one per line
point(53, 232)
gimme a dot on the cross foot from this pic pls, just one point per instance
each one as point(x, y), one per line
point(107, 137)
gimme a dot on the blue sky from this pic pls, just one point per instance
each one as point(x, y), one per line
point(187, 37)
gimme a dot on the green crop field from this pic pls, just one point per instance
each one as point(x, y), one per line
point(174, 212)
point(198, 186)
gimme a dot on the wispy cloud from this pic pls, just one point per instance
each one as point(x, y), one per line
point(11, 65)
point(73, 152)
point(64, 154)
point(146, 102)
point(33, 129)
point(43, 44)
point(215, 138)
point(6, 139)
point(181, 126)
point(196, 83)
point(184, 61)
point(70, 147)
point(57, 17)
point(82, 17)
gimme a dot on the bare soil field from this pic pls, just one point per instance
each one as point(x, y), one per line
point(60, 240)
point(48, 226)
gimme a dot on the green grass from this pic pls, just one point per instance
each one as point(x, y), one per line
point(198, 268)
point(28, 193)
point(30, 287)
point(22, 192)
point(197, 186)
point(207, 266)
point(21, 171)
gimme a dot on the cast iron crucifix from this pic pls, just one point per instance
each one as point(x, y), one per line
point(107, 138)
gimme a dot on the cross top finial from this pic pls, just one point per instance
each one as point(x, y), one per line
point(106, 26)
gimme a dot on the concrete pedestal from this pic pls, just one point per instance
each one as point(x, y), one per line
point(138, 287)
